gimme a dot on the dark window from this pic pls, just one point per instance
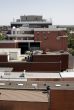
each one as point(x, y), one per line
point(13, 32)
point(26, 18)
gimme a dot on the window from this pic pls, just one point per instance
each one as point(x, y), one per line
point(18, 32)
point(36, 19)
point(26, 18)
point(25, 38)
point(60, 33)
point(11, 38)
point(30, 38)
point(13, 32)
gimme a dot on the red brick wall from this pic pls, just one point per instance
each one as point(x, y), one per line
point(64, 61)
point(64, 43)
point(62, 100)
point(22, 105)
point(37, 67)
point(8, 45)
point(3, 58)
point(40, 63)
point(47, 58)
point(50, 42)
point(53, 58)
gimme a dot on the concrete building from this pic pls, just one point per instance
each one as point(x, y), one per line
point(31, 18)
point(33, 21)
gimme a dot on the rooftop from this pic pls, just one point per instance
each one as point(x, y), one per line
point(20, 35)
point(36, 85)
point(51, 28)
point(42, 75)
point(14, 80)
point(23, 95)
point(8, 69)
point(7, 74)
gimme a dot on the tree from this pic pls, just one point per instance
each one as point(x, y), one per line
point(70, 38)
point(2, 37)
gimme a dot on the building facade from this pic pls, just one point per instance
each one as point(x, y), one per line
point(47, 39)
point(33, 21)
point(35, 35)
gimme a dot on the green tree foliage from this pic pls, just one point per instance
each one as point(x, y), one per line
point(2, 37)
point(70, 40)
point(71, 43)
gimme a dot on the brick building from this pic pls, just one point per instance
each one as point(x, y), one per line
point(33, 32)
point(36, 34)
point(47, 39)
point(52, 39)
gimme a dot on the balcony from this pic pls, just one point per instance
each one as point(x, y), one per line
point(20, 35)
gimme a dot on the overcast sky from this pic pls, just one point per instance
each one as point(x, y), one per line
point(61, 11)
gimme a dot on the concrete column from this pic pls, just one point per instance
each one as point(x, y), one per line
point(29, 45)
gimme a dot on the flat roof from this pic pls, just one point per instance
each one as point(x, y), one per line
point(67, 74)
point(6, 73)
point(36, 85)
point(57, 52)
point(42, 75)
point(16, 75)
point(67, 26)
point(23, 95)
point(51, 28)
point(62, 85)
point(60, 52)
point(7, 69)
point(20, 35)
point(14, 41)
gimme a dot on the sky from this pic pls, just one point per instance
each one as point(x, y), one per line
point(60, 11)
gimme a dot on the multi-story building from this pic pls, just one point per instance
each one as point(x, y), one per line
point(33, 21)
point(40, 38)
point(36, 33)
point(36, 81)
